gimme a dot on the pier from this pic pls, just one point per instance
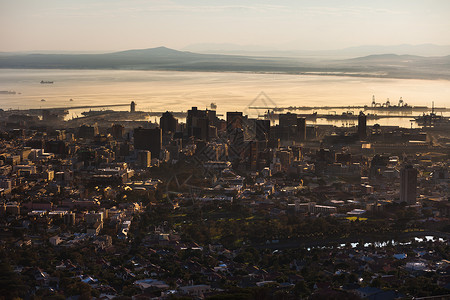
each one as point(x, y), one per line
point(79, 107)
point(365, 107)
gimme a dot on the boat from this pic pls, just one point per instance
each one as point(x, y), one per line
point(7, 92)
point(43, 100)
point(46, 82)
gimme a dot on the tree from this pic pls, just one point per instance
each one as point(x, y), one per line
point(10, 284)
point(301, 289)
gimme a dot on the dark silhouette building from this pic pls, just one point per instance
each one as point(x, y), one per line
point(168, 122)
point(117, 131)
point(234, 120)
point(362, 126)
point(408, 184)
point(148, 139)
point(262, 129)
point(133, 107)
point(88, 132)
point(197, 123)
point(301, 129)
point(287, 119)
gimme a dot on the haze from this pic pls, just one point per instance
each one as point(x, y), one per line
point(100, 25)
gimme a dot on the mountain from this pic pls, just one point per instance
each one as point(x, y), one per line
point(350, 52)
point(145, 59)
point(403, 49)
point(162, 58)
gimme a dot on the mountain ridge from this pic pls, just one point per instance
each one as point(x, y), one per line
point(163, 58)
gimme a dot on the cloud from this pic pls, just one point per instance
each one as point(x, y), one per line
point(347, 11)
point(99, 9)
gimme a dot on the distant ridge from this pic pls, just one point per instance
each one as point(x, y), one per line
point(349, 52)
point(153, 51)
point(163, 58)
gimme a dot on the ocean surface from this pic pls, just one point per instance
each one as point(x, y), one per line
point(179, 91)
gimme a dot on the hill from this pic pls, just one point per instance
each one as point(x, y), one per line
point(162, 58)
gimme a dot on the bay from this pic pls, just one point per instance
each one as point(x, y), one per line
point(179, 91)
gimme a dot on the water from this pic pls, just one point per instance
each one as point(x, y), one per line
point(178, 91)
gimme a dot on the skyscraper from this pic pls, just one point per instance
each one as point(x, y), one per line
point(197, 123)
point(234, 120)
point(262, 129)
point(287, 119)
point(301, 129)
point(148, 139)
point(408, 184)
point(362, 126)
point(168, 122)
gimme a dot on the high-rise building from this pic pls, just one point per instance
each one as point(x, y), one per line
point(408, 184)
point(234, 120)
point(197, 123)
point(237, 142)
point(88, 132)
point(168, 122)
point(117, 131)
point(288, 119)
point(133, 107)
point(148, 139)
point(262, 129)
point(362, 126)
point(301, 129)
point(252, 155)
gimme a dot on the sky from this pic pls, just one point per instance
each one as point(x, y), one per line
point(111, 25)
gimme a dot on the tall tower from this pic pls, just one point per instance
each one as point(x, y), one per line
point(234, 120)
point(362, 125)
point(168, 122)
point(197, 123)
point(408, 184)
point(301, 129)
point(133, 107)
point(148, 139)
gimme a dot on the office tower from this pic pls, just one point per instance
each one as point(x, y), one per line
point(287, 120)
point(203, 129)
point(362, 126)
point(251, 154)
point(408, 184)
point(234, 120)
point(148, 139)
point(262, 129)
point(197, 122)
point(88, 132)
point(301, 129)
point(117, 131)
point(212, 116)
point(237, 143)
point(168, 122)
point(133, 107)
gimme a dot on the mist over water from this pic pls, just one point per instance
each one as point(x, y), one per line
point(178, 91)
